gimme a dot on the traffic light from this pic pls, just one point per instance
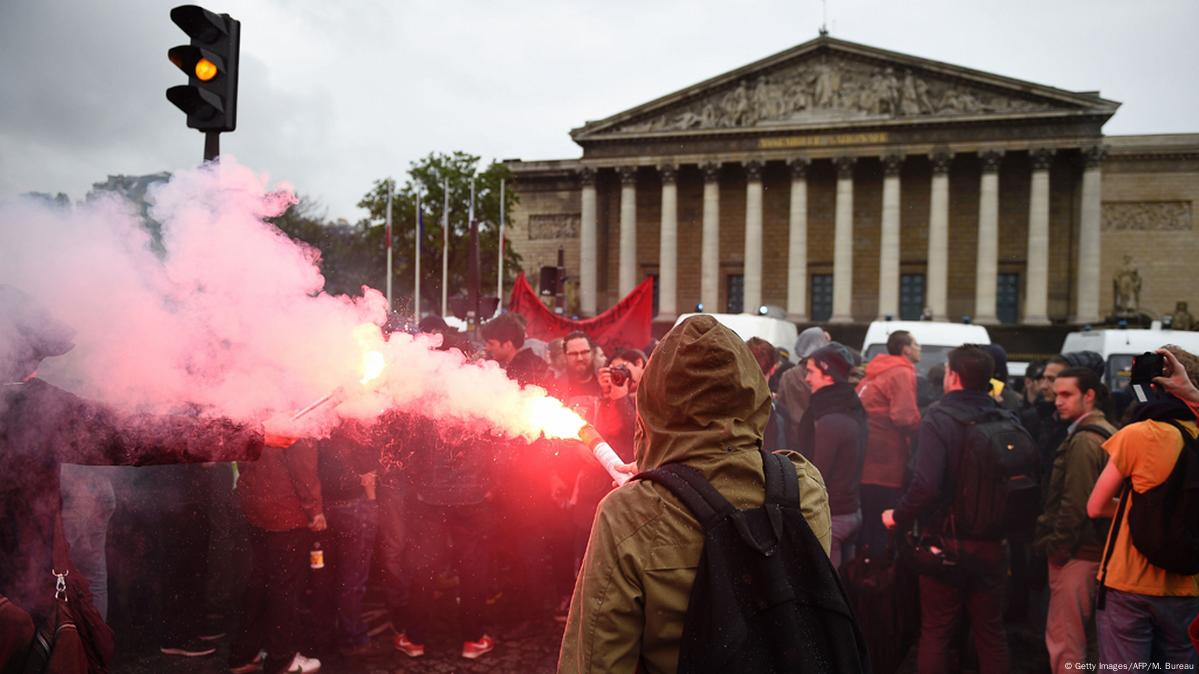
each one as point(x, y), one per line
point(210, 96)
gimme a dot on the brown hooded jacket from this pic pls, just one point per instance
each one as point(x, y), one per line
point(702, 401)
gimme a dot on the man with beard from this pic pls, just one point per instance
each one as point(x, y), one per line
point(589, 391)
point(832, 435)
point(41, 427)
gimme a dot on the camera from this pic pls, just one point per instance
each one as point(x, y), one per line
point(620, 374)
point(1144, 368)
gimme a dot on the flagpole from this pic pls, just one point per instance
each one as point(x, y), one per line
point(499, 283)
point(445, 247)
point(387, 235)
point(416, 283)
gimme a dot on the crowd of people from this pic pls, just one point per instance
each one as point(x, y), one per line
point(891, 467)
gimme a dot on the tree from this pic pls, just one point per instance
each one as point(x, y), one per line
point(429, 176)
point(350, 256)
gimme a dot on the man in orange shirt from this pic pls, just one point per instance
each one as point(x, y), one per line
point(1147, 607)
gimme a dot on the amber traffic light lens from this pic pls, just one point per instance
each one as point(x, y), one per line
point(205, 69)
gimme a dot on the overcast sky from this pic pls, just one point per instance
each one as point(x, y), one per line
point(336, 94)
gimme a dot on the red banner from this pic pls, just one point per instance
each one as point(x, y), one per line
point(626, 325)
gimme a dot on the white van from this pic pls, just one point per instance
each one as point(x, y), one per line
point(935, 338)
point(1119, 346)
point(777, 331)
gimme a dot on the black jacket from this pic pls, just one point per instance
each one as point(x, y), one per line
point(938, 457)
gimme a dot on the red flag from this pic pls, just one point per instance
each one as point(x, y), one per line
point(626, 325)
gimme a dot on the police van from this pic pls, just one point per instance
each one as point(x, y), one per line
point(1119, 346)
point(935, 338)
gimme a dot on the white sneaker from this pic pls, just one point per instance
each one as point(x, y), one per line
point(302, 665)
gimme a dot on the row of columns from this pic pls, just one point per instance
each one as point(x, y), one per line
point(1036, 275)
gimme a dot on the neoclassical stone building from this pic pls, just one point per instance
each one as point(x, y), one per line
point(846, 183)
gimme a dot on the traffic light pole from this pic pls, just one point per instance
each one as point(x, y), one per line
point(212, 145)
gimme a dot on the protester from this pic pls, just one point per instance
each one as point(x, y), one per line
point(1145, 609)
point(888, 395)
point(832, 435)
point(772, 364)
point(588, 389)
point(42, 427)
point(703, 401)
point(280, 495)
point(451, 478)
point(88, 502)
point(981, 568)
point(1070, 540)
point(504, 342)
point(793, 391)
point(348, 464)
point(634, 361)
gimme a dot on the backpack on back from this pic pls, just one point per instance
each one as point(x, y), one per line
point(1164, 521)
point(996, 491)
point(766, 598)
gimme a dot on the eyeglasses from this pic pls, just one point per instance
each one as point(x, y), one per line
point(578, 354)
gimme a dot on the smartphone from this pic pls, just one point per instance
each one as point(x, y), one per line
point(1144, 368)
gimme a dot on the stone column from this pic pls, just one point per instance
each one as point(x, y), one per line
point(628, 230)
point(709, 264)
point(753, 237)
point(668, 246)
point(1036, 284)
point(987, 270)
point(843, 243)
point(938, 237)
point(588, 245)
point(888, 265)
point(797, 248)
point(1087, 301)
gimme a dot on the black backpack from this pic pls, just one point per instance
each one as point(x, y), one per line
point(996, 490)
point(766, 598)
point(1164, 521)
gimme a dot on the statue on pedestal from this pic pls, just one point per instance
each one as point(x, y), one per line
point(1126, 289)
point(1182, 319)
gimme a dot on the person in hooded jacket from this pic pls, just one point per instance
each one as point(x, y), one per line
point(41, 427)
point(703, 401)
point(832, 435)
point(888, 395)
point(793, 391)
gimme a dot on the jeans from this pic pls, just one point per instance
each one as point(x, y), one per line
point(88, 502)
point(1138, 628)
point(981, 590)
point(351, 543)
point(454, 539)
point(271, 602)
point(393, 519)
point(845, 529)
point(1071, 609)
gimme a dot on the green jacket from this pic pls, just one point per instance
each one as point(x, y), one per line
point(1063, 530)
point(702, 401)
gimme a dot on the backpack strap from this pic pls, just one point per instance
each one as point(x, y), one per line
point(1093, 428)
point(1110, 549)
point(782, 481)
point(689, 486)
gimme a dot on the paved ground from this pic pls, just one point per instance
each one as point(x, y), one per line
point(527, 648)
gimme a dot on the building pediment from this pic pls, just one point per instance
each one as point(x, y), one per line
point(832, 83)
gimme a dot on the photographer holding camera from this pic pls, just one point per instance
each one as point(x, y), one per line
point(1149, 573)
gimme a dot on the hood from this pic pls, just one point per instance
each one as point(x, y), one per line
point(885, 361)
point(809, 340)
point(701, 397)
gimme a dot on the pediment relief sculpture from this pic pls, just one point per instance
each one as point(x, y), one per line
point(831, 88)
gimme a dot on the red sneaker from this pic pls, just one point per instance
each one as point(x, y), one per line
point(406, 646)
point(474, 649)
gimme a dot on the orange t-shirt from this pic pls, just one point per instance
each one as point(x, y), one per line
point(1145, 452)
